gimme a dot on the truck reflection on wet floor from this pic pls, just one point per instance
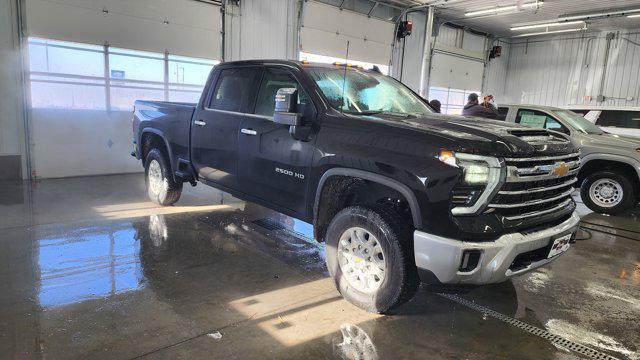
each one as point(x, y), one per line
point(218, 242)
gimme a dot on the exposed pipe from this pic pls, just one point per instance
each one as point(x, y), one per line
point(426, 54)
point(610, 37)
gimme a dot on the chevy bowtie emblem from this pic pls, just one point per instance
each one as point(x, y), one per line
point(561, 169)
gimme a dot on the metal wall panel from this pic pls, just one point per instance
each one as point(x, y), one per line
point(496, 73)
point(566, 70)
point(407, 58)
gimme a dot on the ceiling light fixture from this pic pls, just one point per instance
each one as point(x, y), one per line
point(549, 32)
point(503, 9)
point(553, 24)
point(601, 15)
point(634, 16)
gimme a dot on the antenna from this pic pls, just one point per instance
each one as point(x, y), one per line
point(344, 78)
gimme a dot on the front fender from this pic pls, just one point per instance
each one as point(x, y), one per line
point(403, 189)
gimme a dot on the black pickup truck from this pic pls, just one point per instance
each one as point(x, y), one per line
point(398, 193)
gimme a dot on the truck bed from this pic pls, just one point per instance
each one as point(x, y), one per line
point(171, 119)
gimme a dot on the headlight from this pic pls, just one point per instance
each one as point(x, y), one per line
point(475, 168)
point(483, 172)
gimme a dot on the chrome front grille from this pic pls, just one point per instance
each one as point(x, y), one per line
point(536, 186)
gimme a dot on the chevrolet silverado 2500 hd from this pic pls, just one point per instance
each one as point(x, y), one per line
point(397, 192)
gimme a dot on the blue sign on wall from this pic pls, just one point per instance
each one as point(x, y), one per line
point(117, 74)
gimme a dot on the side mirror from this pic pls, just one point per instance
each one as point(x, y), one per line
point(286, 109)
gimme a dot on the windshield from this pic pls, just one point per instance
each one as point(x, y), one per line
point(578, 122)
point(367, 92)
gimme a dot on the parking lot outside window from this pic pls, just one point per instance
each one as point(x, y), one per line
point(66, 75)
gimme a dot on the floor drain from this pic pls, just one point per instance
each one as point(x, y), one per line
point(560, 341)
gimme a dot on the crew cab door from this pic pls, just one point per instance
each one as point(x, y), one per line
point(272, 165)
point(214, 128)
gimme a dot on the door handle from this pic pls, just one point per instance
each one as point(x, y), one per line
point(200, 123)
point(248, 131)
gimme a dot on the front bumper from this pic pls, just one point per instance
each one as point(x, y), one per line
point(441, 257)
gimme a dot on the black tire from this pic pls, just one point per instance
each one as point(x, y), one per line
point(394, 236)
point(170, 190)
point(627, 192)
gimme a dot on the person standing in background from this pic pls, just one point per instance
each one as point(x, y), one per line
point(435, 104)
point(474, 108)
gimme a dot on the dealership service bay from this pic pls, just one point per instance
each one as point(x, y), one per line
point(106, 274)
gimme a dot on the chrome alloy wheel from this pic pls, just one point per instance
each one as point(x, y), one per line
point(361, 259)
point(156, 181)
point(606, 193)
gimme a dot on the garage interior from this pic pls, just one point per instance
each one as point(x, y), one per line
point(91, 268)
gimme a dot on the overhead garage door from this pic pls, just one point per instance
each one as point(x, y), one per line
point(326, 30)
point(454, 72)
point(82, 91)
point(183, 27)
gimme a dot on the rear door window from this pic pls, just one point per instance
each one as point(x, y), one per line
point(234, 89)
point(621, 119)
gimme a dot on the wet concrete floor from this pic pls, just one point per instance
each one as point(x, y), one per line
point(91, 269)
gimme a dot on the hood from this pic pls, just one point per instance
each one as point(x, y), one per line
point(487, 137)
point(609, 141)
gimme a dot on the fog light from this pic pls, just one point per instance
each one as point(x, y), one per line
point(470, 260)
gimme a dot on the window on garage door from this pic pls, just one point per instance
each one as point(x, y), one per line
point(66, 75)
point(330, 60)
point(452, 100)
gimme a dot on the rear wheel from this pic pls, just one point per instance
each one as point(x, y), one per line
point(369, 255)
point(161, 187)
point(607, 192)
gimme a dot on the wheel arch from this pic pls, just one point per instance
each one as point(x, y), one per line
point(618, 163)
point(157, 136)
point(320, 220)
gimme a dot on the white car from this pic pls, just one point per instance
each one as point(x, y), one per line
point(614, 120)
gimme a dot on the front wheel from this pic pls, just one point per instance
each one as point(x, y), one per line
point(607, 192)
point(369, 255)
point(161, 188)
